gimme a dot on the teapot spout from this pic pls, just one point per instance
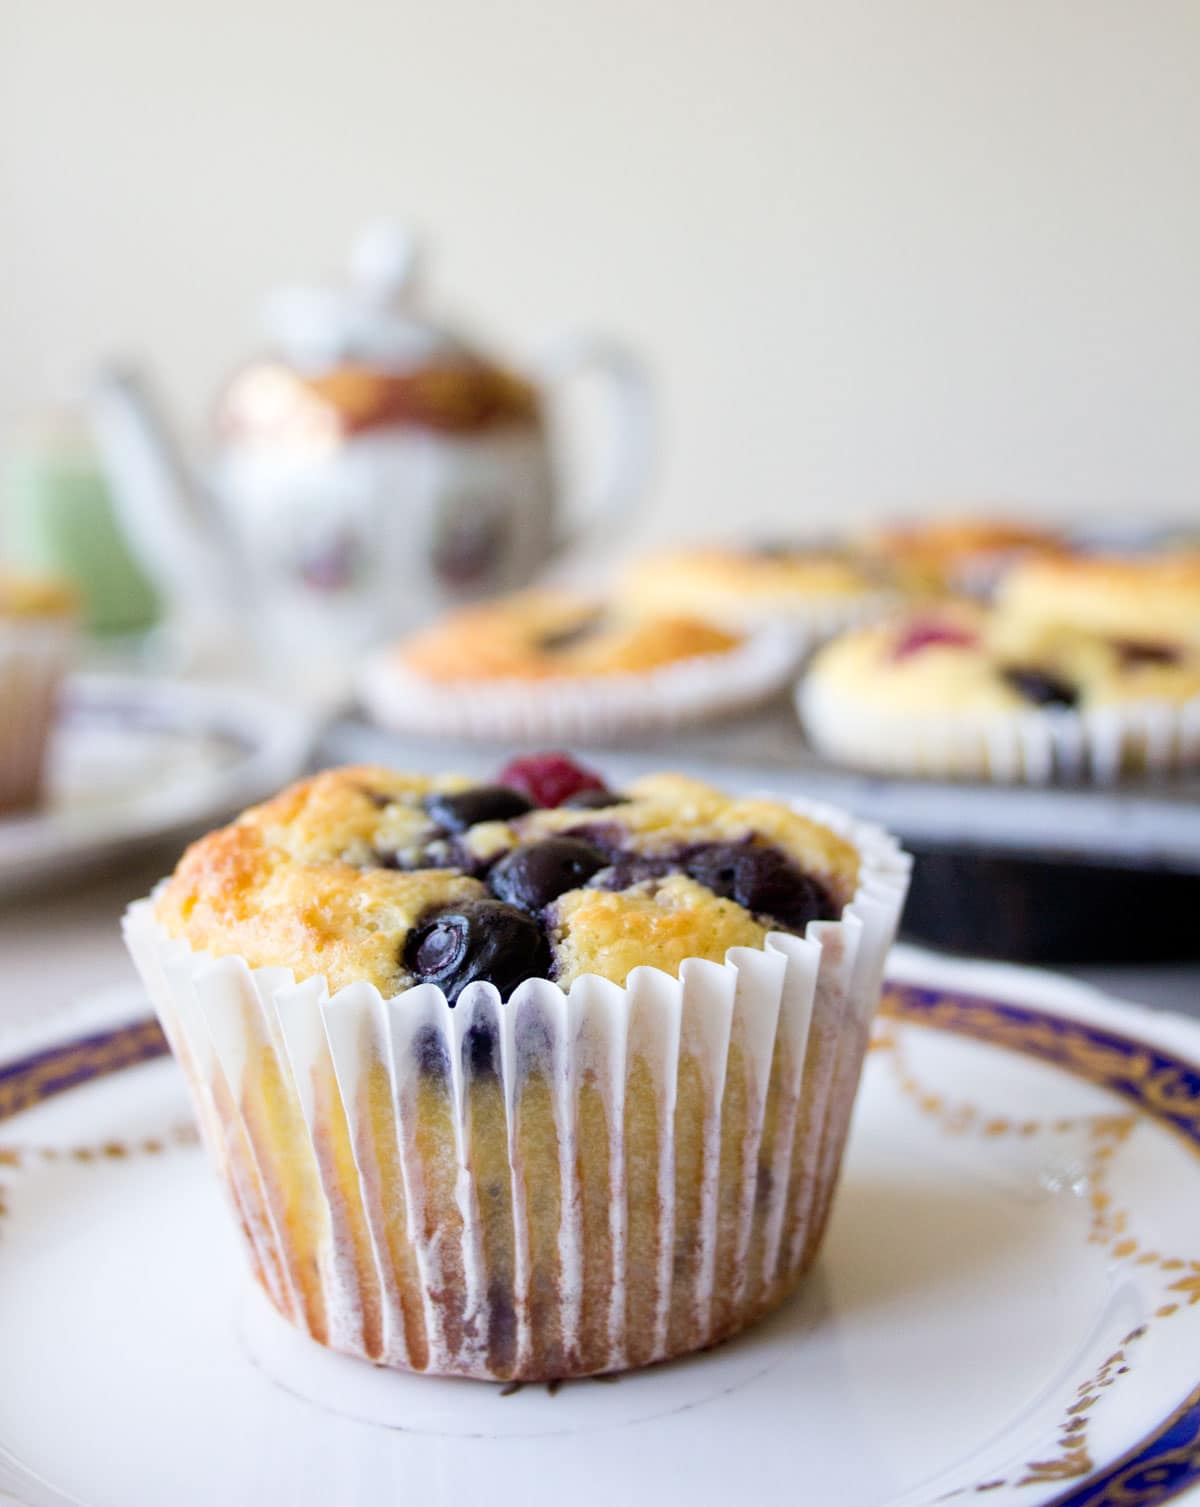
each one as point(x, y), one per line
point(162, 504)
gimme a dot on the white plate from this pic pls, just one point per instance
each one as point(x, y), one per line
point(1007, 1308)
point(136, 760)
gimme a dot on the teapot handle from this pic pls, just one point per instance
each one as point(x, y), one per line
point(625, 463)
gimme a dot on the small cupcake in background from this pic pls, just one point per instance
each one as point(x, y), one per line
point(812, 589)
point(37, 635)
point(500, 1089)
point(1148, 603)
point(958, 689)
point(955, 555)
point(554, 664)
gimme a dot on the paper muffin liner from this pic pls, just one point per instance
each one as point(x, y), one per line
point(595, 709)
point(566, 1184)
point(1033, 746)
point(34, 657)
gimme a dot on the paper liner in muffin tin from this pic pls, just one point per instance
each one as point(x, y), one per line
point(34, 658)
point(565, 1184)
point(595, 709)
point(1033, 745)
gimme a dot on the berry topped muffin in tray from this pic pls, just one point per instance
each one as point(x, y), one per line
point(959, 689)
point(530, 1078)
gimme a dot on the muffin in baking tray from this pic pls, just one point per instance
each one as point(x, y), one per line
point(557, 664)
point(813, 588)
point(37, 633)
point(1151, 602)
point(498, 1089)
point(960, 689)
point(956, 554)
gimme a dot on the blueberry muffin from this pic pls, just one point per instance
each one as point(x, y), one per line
point(812, 587)
point(37, 632)
point(1149, 604)
point(551, 663)
point(500, 1088)
point(963, 689)
point(956, 554)
point(541, 635)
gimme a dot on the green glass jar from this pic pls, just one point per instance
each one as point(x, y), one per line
point(58, 519)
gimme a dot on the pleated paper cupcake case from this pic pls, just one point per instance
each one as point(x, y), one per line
point(1034, 746)
point(580, 710)
point(561, 1185)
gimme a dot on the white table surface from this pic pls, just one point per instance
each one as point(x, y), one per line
point(63, 943)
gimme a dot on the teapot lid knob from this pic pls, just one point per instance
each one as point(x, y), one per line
point(385, 262)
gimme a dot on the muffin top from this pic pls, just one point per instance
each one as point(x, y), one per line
point(960, 656)
point(774, 577)
point(399, 879)
point(31, 596)
point(544, 635)
point(1151, 601)
point(950, 554)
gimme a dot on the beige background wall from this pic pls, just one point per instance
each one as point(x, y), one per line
point(878, 253)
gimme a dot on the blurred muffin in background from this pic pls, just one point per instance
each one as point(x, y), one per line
point(37, 632)
point(551, 663)
point(959, 689)
point(813, 589)
point(956, 554)
point(1148, 604)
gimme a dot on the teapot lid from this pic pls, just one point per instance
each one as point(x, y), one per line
point(372, 319)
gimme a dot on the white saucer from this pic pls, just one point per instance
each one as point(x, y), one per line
point(136, 760)
point(1007, 1309)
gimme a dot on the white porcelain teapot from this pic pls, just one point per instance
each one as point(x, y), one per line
point(370, 470)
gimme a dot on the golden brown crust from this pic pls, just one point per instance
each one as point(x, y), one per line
point(298, 881)
point(610, 933)
point(733, 582)
point(946, 554)
point(541, 635)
